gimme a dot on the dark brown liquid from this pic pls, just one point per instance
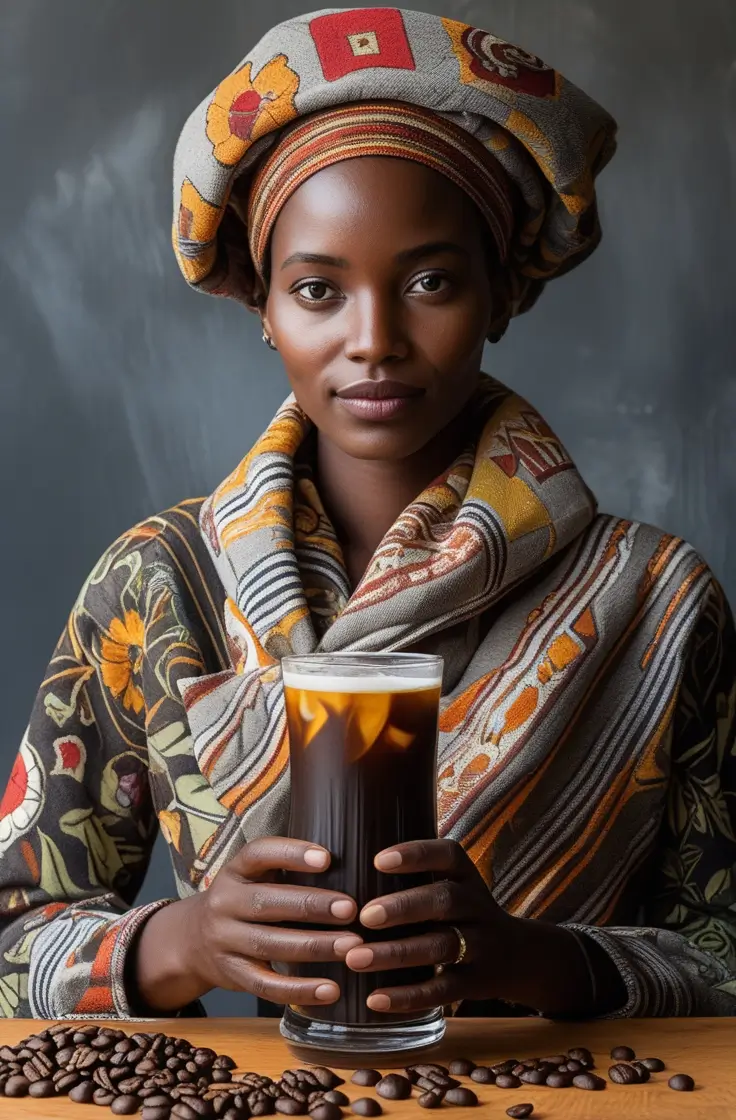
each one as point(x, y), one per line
point(363, 777)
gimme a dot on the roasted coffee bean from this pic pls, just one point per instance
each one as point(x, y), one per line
point(464, 1098)
point(327, 1078)
point(588, 1081)
point(483, 1075)
point(182, 1110)
point(120, 1061)
point(16, 1086)
point(582, 1054)
point(559, 1080)
point(201, 1108)
point(336, 1097)
point(437, 1081)
point(520, 1111)
point(366, 1106)
point(220, 1075)
point(554, 1060)
point(100, 1043)
point(125, 1106)
point(44, 1088)
point(288, 1106)
point(574, 1065)
point(235, 1114)
point(681, 1083)
point(654, 1065)
point(623, 1054)
point(7, 1054)
point(326, 1112)
point(533, 1077)
point(370, 1077)
point(84, 1058)
point(219, 1061)
point(131, 1084)
point(158, 1112)
point(41, 1045)
point(644, 1073)
point(264, 1106)
point(102, 1097)
point(83, 1093)
point(65, 1081)
point(461, 1067)
point(430, 1100)
point(624, 1074)
point(504, 1067)
point(64, 1055)
point(101, 1077)
point(393, 1087)
point(38, 1069)
point(519, 1068)
point(507, 1081)
point(158, 1100)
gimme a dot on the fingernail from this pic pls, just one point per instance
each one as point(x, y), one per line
point(389, 861)
point(343, 909)
point(344, 944)
point(313, 857)
point(374, 916)
point(327, 993)
point(361, 958)
point(378, 1003)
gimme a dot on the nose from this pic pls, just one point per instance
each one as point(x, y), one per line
point(375, 332)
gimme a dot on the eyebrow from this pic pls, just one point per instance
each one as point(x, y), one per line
point(430, 248)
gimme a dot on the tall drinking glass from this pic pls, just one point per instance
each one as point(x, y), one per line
point(363, 751)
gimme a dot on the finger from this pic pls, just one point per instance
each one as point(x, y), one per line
point(430, 948)
point(435, 992)
point(262, 981)
point(279, 902)
point(445, 856)
point(270, 943)
point(276, 853)
point(445, 901)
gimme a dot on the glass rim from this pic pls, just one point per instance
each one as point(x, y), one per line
point(426, 665)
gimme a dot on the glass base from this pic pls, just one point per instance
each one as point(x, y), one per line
point(392, 1037)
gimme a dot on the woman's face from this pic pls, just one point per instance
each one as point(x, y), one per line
point(380, 284)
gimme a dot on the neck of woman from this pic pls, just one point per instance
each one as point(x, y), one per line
point(364, 497)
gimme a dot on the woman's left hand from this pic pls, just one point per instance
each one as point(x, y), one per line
point(457, 903)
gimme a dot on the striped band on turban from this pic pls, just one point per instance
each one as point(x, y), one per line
point(378, 129)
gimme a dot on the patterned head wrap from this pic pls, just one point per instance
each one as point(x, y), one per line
point(352, 81)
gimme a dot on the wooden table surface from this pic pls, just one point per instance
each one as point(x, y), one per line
point(704, 1048)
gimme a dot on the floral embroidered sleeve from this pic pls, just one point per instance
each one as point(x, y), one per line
point(681, 960)
point(76, 822)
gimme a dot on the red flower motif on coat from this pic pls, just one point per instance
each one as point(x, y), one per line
point(23, 798)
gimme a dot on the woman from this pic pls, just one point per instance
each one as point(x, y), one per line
point(386, 189)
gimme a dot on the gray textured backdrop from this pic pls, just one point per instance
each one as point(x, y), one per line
point(123, 392)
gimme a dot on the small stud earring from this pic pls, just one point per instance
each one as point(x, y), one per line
point(269, 341)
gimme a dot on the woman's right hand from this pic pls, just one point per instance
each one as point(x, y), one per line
point(223, 937)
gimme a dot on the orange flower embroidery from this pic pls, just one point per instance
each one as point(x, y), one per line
point(244, 109)
point(197, 224)
point(122, 659)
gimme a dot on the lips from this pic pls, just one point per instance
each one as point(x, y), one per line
point(378, 400)
point(378, 391)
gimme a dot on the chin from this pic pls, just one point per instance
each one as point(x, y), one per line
point(382, 446)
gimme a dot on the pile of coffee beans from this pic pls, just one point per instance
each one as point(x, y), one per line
point(168, 1078)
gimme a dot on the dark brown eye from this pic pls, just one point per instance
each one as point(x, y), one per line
point(314, 291)
point(431, 283)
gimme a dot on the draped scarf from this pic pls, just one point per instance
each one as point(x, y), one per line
point(508, 503)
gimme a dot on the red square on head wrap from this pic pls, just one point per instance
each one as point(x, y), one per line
point(359, 39)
